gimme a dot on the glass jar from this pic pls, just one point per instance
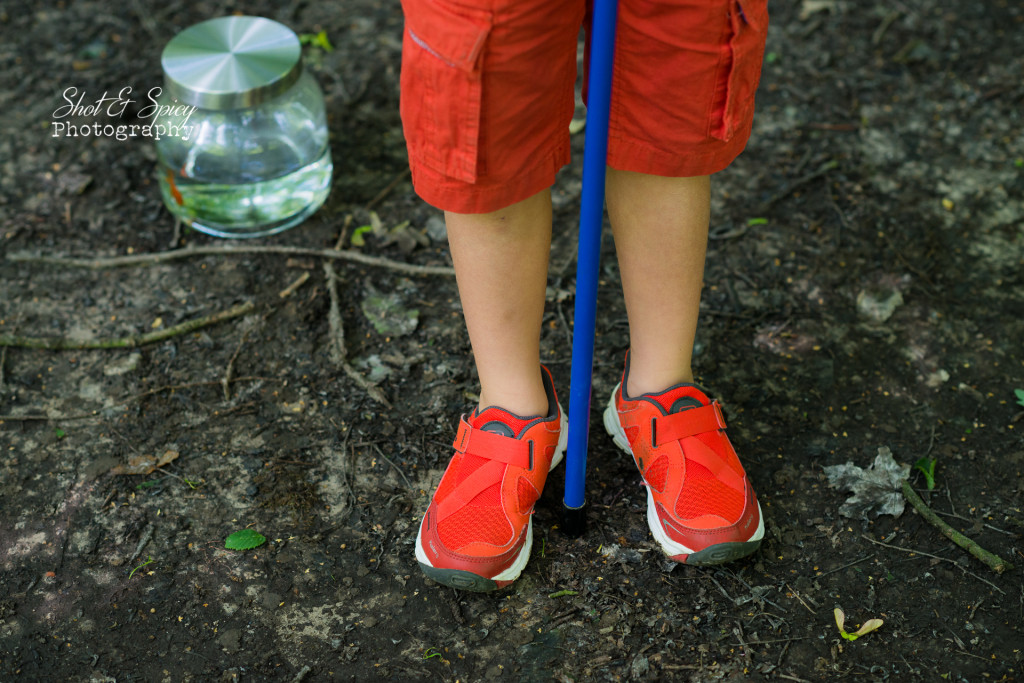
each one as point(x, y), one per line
point(243, 151)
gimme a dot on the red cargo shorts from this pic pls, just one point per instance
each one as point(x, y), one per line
point(487, 92)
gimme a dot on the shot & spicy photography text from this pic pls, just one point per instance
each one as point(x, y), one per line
point(158, 118)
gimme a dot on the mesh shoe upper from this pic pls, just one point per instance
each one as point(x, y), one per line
point(483, 519)
point(700, 503)
point(478, 519)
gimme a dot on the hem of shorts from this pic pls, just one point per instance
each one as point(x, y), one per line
point(699, 160)
point(484, 197)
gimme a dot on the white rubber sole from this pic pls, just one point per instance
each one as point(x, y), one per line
point(729, 551)
point(467, 580)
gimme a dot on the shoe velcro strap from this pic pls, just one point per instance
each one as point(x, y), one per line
point(687, 423)
point(469, 488)
point(473, 441)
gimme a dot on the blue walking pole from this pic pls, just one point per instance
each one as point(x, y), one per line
point(595, 155)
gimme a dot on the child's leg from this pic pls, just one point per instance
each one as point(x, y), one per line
point(487, 98)
point(501, 264)
point(701, 508)
point(661, 229)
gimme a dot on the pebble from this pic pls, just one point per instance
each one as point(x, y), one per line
point(436, 229)
point(230, 640)
point(640, 667)
point(878, 306)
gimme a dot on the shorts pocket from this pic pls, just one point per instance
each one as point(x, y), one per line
point(441, 84)
point(748, 30)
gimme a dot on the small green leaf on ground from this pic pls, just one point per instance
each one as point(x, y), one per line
point(429, 652)
point(560, 594)
point(357, 238)
point(927, 468)
point(751, 222)
point(1020, 396)
point(869, 626)
point(245, 539)
point(59, 432)
point(317, 40)
point(149, 561)
point(147, 484)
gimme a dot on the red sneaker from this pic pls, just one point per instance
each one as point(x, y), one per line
point(700, 506)
point(478, 530)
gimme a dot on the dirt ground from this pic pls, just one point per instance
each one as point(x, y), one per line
point(864, 289)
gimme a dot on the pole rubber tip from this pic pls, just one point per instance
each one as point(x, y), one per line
point(574, 521)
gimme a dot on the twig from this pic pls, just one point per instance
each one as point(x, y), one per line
point(782, 655)
point(956, 639)
point(973, 521)
point(225, 381)
point(339, 355)
point(130, 341)
point(995, 563)
point(738, 632)
point(371, 389)
point(290, 289)
point(846, 566)
point(753, 595)
point(777, 640)
point(343, 233)
point(176, 235)
point(147, 536)
point(3, 361)
point(388, 188)
point(797, 184)
point(974, 608)
point(336, 345)
point(188, 252)
point(934, 557)
point(797, 596)
point(721, 590)
point(794, 678)
point(128, 399)
point(388, 461)
point(876, 37)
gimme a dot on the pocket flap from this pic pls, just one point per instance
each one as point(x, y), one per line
point(455, 35)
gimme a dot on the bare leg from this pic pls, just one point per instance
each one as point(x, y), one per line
point(501, 265)
point(661, 231)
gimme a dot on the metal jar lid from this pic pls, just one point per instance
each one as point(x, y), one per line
point(231, 62)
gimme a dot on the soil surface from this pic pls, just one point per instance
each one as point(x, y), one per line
point(864, 290)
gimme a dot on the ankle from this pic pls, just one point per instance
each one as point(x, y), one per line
point(639, 383)
point(523, 402)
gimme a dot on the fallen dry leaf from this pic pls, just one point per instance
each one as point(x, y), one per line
point(145, 464)
point(876, 490)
